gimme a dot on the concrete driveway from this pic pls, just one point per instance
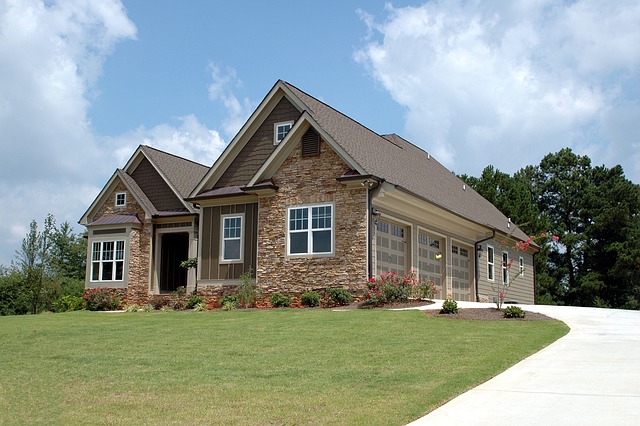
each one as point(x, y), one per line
point(591, 376)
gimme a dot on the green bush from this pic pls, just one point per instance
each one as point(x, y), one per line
point(339, 296)
point(200, 307)
point(132, 308)
point(513, 312)
point(279, 300)
point(101, 299)
point(247, 292)
point(310, 299)
point(193, 301)
point(229, 302)
point(68, 303)
point(449, 306)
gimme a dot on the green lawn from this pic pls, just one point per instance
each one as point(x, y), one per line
point(304, 366)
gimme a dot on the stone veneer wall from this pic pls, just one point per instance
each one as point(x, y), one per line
point(139, 250)
point(311, 180)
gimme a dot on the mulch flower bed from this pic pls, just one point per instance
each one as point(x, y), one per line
point(478, 314)
point(485, 314)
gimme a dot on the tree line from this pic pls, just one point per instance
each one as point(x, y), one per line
point(595, 212)
point(48, 273)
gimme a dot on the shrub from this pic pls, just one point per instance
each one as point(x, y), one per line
point(132, 308)
point(159, 302)
point(147, 308)
point(229, 302)
point(279, 300)
point(68, 303)
point(449, 306)
point(513, 312)
point(390, 287)
point(193, 301)
point(101, 299)
point(310, 299)
point(339, 296)
point(200, 307)
point(247, 292)
point(229, 306)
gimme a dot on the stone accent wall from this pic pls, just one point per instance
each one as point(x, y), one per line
point(108, 207)
point(139, 247)
point(311, 180)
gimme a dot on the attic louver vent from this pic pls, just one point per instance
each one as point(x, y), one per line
point(310, 143)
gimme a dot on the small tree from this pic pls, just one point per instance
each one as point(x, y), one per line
point(34, 262)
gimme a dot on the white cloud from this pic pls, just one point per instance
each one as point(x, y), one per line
point(506, 83)
point(222, 89)
point(190, 139)
point(50, 55)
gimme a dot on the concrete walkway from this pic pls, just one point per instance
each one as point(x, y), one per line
point(591, 376)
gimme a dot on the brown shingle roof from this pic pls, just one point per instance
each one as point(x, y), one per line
point(183, 174)
point(117, 219)
point(404, 165)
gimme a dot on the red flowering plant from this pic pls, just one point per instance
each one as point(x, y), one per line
point(101, 299)
point(503, 285)
point(390, 287)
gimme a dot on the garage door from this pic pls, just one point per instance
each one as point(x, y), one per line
point(391, 248)
point(461, 272)
point(431, 261)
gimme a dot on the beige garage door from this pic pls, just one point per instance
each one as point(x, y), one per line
point(391, 248)
point(461, 272)
point(431, 261)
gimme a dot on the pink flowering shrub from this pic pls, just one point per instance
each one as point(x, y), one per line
point(390, 287)
point(101, 299)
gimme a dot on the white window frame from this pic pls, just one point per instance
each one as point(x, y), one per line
point(124, 199)
point(521, 265)
point(309, 230)
point(276, 130)
point(103, 256)
point(224, 239)
point(505, 270)
point(491, 266)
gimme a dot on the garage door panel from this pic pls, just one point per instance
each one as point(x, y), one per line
point(391, 252)
point(461, 272)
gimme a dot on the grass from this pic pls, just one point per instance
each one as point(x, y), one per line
point(289, 366)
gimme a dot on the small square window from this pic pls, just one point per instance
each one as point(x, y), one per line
point(121, 199)
point(280, 130)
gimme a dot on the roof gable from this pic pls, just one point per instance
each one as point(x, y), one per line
point(405, 165)
point(158, 180)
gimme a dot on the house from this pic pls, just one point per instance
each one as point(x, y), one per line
point(306, 198)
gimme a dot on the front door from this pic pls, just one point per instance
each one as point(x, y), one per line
point(175, 249)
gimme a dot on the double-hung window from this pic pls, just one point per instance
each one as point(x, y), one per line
point(231, 238)
point(490, 264)
point(280, 130)
point(505, 267)
point(107, 260)
point(121, 199)
point(310, 230)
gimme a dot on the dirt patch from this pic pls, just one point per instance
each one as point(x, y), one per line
point(486, 314)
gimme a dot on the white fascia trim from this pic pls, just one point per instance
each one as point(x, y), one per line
point(241, 138)
point(286, 146)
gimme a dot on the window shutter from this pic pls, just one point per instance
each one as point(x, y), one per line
point(310, 143)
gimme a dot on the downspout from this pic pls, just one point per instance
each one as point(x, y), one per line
point(477, 268)
point(370, 233)
point(535, 279)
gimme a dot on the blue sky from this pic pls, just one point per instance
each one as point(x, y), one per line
point(82, 83)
